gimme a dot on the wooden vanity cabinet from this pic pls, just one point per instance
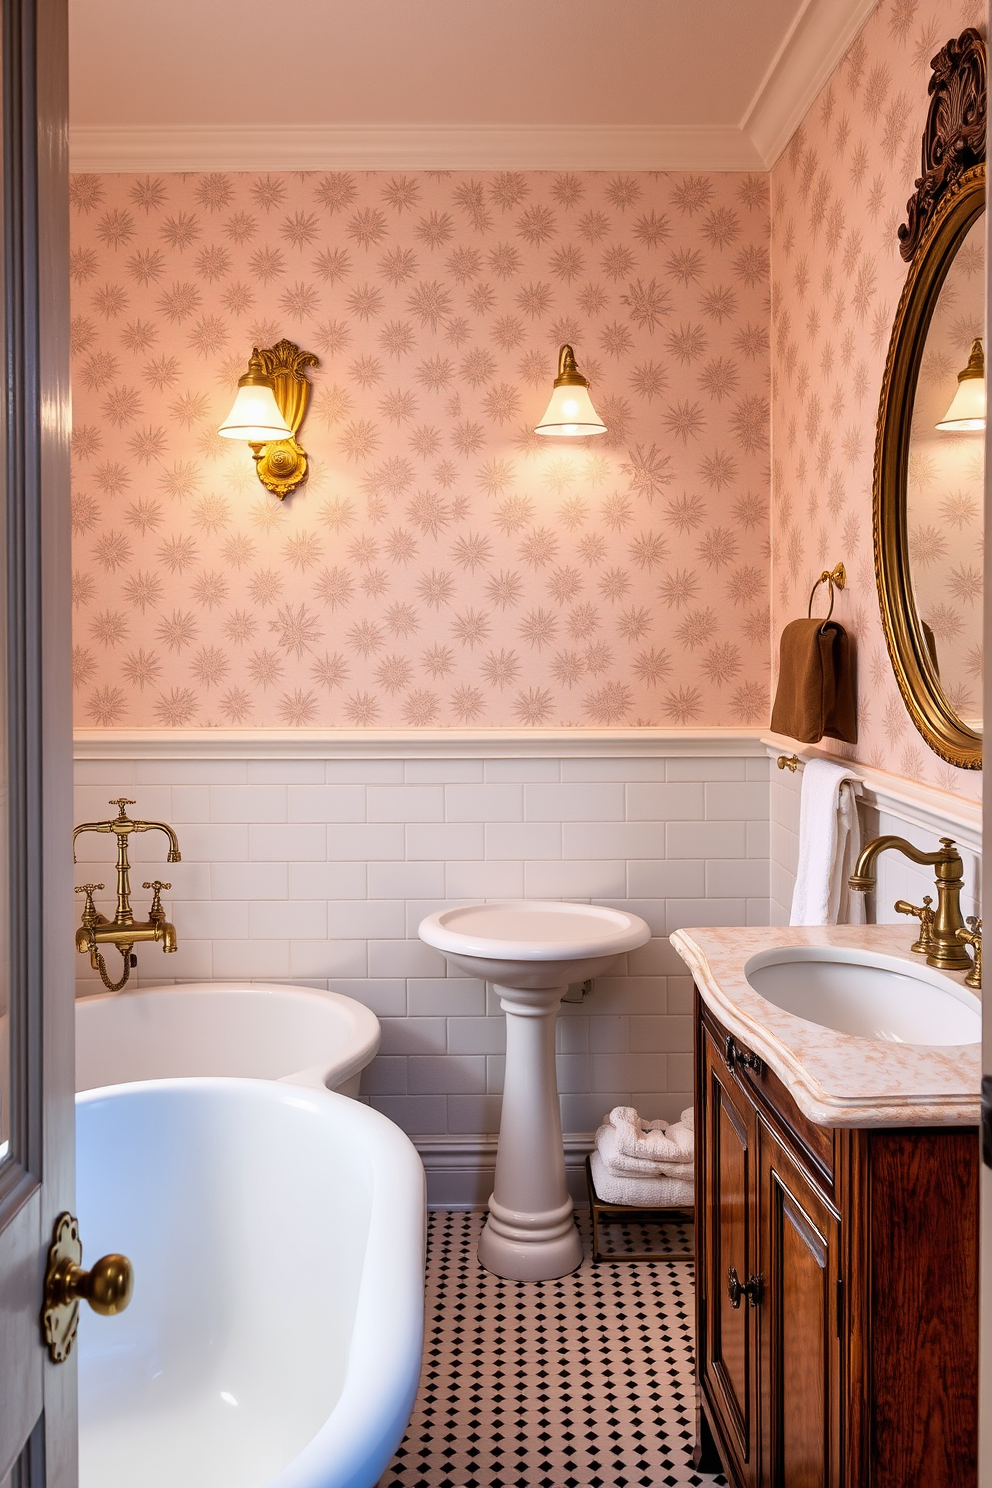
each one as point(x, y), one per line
point(836, 1289)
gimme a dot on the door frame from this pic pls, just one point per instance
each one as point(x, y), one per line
point(37, 1181)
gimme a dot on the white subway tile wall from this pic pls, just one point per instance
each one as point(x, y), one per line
point(319, 872)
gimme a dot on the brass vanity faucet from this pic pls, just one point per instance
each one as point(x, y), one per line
point(938, 928)
point(123, 931)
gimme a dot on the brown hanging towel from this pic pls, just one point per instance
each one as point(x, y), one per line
point(815, 695)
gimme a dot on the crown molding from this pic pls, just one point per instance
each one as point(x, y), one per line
point(814, 46)
point(453, 743)
point(316, 147)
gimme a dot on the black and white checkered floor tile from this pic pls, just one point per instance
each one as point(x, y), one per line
point(584, 1382)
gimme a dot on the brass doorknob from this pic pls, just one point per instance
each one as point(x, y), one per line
point(107, 1287)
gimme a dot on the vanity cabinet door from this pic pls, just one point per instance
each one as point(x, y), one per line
point(800, 1323)
point(726, 1320)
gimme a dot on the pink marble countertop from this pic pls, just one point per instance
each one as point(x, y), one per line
point(836, 1079)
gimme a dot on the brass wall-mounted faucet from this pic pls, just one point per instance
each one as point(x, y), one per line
point(938, 928)
point(123, 931)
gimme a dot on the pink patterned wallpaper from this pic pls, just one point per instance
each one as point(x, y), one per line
point(443, 565)
point(838, 195)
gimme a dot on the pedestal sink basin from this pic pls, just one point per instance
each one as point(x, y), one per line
point(531, 950)
point(867, 994)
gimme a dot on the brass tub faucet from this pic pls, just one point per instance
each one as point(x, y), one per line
point(938, 928)
point(123, 931)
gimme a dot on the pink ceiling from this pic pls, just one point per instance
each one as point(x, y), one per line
point(635, 63)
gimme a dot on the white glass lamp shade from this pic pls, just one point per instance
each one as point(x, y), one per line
point(570, 411)
point(255, 413)
point(967, 410)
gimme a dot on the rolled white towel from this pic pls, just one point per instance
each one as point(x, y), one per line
point(640, 1193)
point(632, 1145)
point(658, 1141)
point(617, 1161)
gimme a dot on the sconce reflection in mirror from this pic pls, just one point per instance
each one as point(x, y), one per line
point(570, 411)
point(967, 410)
point(268, 410)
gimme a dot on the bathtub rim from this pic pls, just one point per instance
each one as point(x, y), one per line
point(367, 1029)
point(352, 1446)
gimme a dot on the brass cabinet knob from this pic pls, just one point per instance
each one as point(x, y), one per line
point(737, 1057)
point(107, 1287)
point(753, 1289)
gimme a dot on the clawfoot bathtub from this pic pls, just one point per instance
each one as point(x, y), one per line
point(275, 1334)
point(260, 1030)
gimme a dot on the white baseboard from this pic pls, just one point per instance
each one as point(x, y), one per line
point(460, 1169)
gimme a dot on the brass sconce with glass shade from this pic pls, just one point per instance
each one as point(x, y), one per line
point(966, 413)
point(929, 450)
point(268, 410)
point(570, 412)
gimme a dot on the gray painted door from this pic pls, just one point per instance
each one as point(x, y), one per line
point(37, 1397)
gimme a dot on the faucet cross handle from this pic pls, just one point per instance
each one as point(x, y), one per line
point(925, 914)
point(156, 885)
point(122, 802)
point(89, 918)
point(973, 937)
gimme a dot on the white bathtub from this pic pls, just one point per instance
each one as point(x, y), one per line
point(260, 1031)
point(275, 1333)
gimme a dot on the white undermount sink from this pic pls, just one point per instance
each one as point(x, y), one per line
point(867, 994)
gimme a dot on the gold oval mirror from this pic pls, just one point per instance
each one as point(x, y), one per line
point(929, 455)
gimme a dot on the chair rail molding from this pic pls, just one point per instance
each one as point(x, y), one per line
point(918, 805)
point(494, 743)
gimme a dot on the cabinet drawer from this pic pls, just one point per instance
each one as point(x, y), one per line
point(815, 1143)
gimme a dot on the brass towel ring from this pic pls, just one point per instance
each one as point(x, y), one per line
point(838, 576)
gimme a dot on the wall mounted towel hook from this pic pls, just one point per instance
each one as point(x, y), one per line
point(836, 576)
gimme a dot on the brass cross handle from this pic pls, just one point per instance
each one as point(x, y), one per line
point(107, 1287)
point(925, 914)
point(973, 937)
point(156, 912)
point(122, 801)
point(89, 908)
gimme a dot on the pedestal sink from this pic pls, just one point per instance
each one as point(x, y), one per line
point(531, 951)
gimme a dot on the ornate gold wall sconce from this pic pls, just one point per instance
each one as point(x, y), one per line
point(268, 410)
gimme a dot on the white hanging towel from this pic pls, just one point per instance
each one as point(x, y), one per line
point(829, 844)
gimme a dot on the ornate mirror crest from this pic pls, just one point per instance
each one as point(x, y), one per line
point(954, 137)
point(948, 202)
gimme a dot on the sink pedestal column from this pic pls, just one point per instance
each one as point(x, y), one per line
point(530, 1234)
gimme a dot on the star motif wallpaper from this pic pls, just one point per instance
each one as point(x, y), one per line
point(443, 564)
point(839, 194)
